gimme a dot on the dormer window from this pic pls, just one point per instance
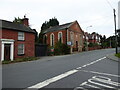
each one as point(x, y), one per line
point(21, 36)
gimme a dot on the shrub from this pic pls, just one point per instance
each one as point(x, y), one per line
point(118, 55)
point(61, 49)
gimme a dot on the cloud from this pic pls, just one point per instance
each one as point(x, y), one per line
point(87, 12)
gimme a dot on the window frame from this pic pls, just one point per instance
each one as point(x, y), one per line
point(21, 36)
point(21, 48)
point(60, 37)
point(52, 39)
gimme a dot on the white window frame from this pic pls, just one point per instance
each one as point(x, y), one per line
point(19, 48)
point(52, 42)
point(21, 36)
point(59, 36)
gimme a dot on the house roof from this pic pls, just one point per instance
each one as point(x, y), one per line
point(59, 27)
point(15, 26)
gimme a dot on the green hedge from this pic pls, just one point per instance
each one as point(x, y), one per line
point(20, 60)
point(117, 55)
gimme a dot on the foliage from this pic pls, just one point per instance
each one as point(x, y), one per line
point(119, 39)
point(36, 36)
point(117, 55)
point(17, 20)
point(40, 38)
point(61, 49)
point(47, 24)
point(20, 60)
point(92, 45)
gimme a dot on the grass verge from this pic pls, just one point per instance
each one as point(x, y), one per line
point(117, 55)
point(20, 60)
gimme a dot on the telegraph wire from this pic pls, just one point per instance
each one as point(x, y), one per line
point(110, 4)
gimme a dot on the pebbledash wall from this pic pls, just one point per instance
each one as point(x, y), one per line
point(29, 42)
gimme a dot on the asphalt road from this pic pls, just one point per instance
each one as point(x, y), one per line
point(82, 70)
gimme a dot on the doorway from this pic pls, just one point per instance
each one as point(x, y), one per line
point(7, 52)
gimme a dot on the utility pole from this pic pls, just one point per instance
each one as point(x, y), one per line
point(116, 43)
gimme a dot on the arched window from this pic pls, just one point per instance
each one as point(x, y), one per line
point(45, 39)
point(52, 39)
point(60, 37)
point(72, 38)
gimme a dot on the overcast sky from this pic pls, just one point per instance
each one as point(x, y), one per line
point(98, 13)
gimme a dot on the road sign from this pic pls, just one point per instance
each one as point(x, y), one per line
point(69, 43)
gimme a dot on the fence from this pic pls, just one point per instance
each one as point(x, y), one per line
point(40, 50)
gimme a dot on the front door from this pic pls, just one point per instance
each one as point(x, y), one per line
point(76, 45)
point(7, 52)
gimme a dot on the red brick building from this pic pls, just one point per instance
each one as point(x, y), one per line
point(17, 40)
point(93, 38)
point(69, 33)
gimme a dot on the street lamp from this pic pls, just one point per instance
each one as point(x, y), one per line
point(88, 27)
point(87, 36)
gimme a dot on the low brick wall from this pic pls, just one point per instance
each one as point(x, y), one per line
point(94, 48)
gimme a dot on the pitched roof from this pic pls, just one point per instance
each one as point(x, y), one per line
point(15, 26)
point(59, 27)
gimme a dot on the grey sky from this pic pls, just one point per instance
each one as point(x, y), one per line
point(97, 13)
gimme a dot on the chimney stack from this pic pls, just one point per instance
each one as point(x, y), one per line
point(25, 21)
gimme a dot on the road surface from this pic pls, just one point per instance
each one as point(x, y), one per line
point(77, 71)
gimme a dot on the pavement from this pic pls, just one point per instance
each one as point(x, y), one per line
point(113, 57)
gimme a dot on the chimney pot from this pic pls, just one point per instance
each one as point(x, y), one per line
point(25, 21)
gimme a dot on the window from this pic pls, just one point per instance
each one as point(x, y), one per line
point(72, 38)
point(60, 37)
point(20, 49)
point(52, 39)
point(20, 35)
point(81, 40)
point(45, 39)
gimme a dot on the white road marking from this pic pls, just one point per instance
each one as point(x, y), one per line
point(106, 80)
point(108, 74)
point(56, 78)
point(97, 82)
point(85, 83)
point(93, 82)
point(47, 82)
point(91, 63)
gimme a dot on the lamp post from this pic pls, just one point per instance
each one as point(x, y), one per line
point(87, 36)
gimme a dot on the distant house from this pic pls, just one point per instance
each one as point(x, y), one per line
point(93, 38)
point(69, 33)
point(17, 40)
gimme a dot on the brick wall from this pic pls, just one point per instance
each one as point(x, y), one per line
point(75, 29)
point(56, 36)
point(29, 42)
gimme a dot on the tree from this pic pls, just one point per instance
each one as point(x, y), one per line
point(36, 36)
point(47, 24)
point(103, 41)
point(17, 20)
